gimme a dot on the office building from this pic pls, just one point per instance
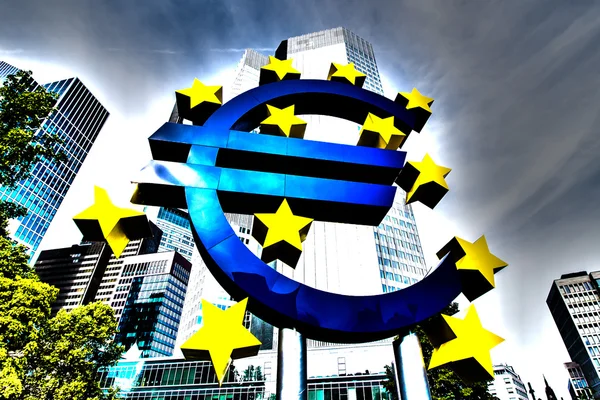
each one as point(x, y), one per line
point(177, 233)
point(76, 271)
point(339, 258)
point(154, 288)
point(177, 379)
point(6, 70)
point(77, 121)
point(574, 303)
point(89, 271)
point(399, 256)
point(507, 384)
point(113, 289)
point(578, 386)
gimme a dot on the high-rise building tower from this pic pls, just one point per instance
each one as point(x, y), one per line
point(78, 119)
point(396, 241)
point(578, 386)
point(90, 272)
point(507, 384)
point(336, 257)
point(6, 70)
point(157, 284)
point(76, 271)
point(574, 303)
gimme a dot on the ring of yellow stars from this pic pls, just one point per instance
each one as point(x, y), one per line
point(281, 234)
point(346, 74)
point(283, 122)
point(277, 70)
point(476, 264)
point(472, 343)
point(200, 93)
point(106, 221)
point(417, 100)
point(423, 181)
point(223, 336)
point(380, 133)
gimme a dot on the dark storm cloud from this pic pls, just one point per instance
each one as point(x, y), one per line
point(516, 84)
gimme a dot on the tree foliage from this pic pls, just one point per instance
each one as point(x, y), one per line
point(23, 108)
point(444, 384)
point(41, 357)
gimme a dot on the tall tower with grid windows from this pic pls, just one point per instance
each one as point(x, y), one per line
point(336, 257)
point(574, 302)
point(78, 119)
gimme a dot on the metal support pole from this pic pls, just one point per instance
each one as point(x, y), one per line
point(411, 371)
point(291, 366)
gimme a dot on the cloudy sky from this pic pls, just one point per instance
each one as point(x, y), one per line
point(516, 88)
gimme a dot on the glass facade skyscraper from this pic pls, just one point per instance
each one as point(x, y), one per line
point(6, 70)
point(156, 287)
point(77, 121)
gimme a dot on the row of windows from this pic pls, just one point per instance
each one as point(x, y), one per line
point(395, 277)
point(398, 242)
point(384, 250)
point(581, 297)
point(577, 287)
point(174, 216)
point(589, 328)
point(583, 307)
point(583, 318)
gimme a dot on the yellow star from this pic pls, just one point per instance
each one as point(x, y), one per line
point(281, 68)
point(284, 226)
point(200, 93)
point(346, 73)
point(283, 122)
point(416, 99)
point(429, 172)
point(472, 341)
point(109, 217)
point(222, 332)
point(479, 258)
point(380, 133)
point(281, 234)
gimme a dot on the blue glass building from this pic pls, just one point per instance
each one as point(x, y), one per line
point(155, 285)
point(6, 70)
point(78, 119)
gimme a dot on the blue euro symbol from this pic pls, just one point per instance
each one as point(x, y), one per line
point(223, 167)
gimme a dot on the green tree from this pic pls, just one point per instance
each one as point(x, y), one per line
point(249, 373)
point(443, 382)
point(259, 374)
point(41, 357)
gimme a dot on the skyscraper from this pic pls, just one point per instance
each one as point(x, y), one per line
point(507, 384)
point(396, 240)
point(574, 303)
point(156, 286)
point(90, 272)
point(77, 121)
point(6, 70)
point(76, 271)
point(336, 257)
